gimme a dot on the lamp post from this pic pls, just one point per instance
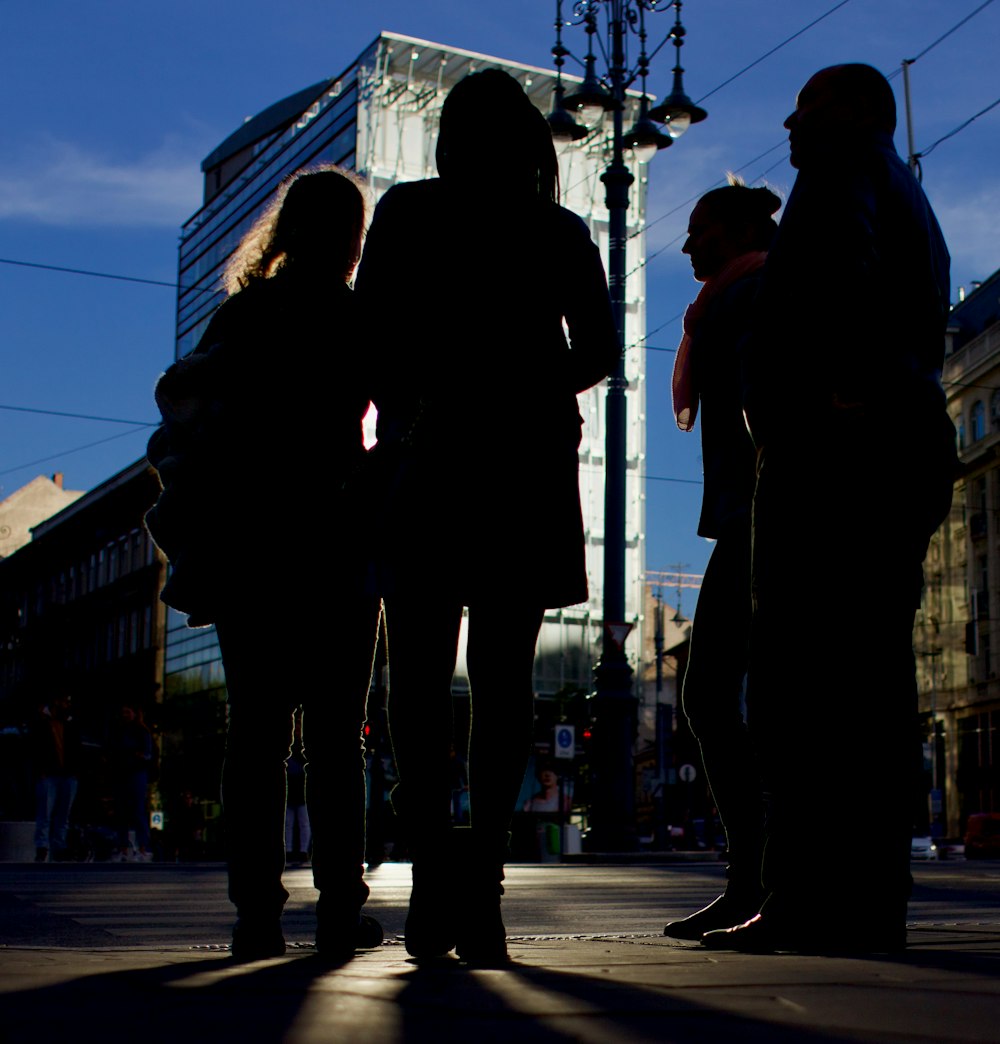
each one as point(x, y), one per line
point(574, 116)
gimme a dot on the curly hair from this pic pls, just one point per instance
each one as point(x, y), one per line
point(317, 212)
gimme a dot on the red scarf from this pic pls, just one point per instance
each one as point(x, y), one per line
point(683, 383)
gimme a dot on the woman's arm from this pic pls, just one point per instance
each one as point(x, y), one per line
point(587, 309)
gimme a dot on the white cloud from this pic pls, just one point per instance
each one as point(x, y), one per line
point(62, 183)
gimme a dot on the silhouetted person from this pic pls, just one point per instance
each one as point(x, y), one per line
point(262, 429)
point(297, 814)
point(56, 750)
point(466, 281)
point(729, 233)
point(856, 459)
point(131, 756)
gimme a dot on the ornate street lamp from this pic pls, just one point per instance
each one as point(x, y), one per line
point(613, 783)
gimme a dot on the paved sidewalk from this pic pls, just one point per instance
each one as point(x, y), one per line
point(625, 986)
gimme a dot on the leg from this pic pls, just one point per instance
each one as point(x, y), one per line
point(45, 798)
point(501, 655)
point(832, 701)
point(711, 700)
point(423, 646)
point(500, 658)
point(258, 743)
point(333, 719)
point(65, 795)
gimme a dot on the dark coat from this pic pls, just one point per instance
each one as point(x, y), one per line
point(853, 302)
point(728, 456)
point(260, 423)
point(474, 373)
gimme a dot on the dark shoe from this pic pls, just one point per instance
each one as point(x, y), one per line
point(723, 912)
point(41, 855)
point(763, 934)
point(255, 939)
point(338, 942)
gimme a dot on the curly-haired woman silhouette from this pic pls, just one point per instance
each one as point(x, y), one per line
point(273, 397)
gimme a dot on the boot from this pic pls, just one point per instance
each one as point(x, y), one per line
point(257, 936)
point(732, 907)
point(430, 929)
point(482, 937)
point(341, 930)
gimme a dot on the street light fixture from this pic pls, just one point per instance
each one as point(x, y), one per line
point(677, 110)
point(613, 785)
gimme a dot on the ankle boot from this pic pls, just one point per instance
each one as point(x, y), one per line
point(482, 937)
point(731, 908)
point(430, 921)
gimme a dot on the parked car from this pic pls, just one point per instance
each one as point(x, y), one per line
point(923, 848)
point(950, 848)
point(982, 836)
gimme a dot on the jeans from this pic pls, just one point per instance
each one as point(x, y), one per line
point(325, 667)
point(54, 796)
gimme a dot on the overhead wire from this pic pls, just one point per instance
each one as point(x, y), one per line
point(76, 449)
point(889, 76)
point(77, 416)
point(105, 275)
point(952, 133)
point(757, 61)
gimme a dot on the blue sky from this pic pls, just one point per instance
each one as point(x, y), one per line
point(110, 106)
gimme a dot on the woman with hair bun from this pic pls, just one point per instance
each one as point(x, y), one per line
point(274, 394)
point(729, 233)
point(466, 281)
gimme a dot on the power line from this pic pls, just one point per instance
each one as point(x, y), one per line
point(76, 449)
point(889, 76)
point(665, 478)
point(78, 416)
point(757, 61)
point(944, 36)
point(105, 275)
point(960, 127)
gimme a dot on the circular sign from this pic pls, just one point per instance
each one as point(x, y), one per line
point(688, 773)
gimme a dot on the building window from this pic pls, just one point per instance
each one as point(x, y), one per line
point(977, 421)
point(960, 429)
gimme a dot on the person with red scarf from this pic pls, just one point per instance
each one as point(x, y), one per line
point(729, 232)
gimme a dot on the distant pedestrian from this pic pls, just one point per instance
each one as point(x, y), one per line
point(477, 404)
point(273, 398)
point(131, 757)
point(729, 232)
point(298, 835)
point(856, 461)
point(56, 750)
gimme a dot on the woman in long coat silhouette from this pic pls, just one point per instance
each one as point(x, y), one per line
point(466, 283)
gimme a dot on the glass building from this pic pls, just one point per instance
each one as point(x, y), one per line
point(380, 117)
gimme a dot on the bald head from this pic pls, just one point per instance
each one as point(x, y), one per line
point(840, 103)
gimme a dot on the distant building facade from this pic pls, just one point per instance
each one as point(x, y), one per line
point(380, 117)
point(80, 611)
point(28, 506)
point(957, 635)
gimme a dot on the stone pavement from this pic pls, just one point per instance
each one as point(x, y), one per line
point(101, 953)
